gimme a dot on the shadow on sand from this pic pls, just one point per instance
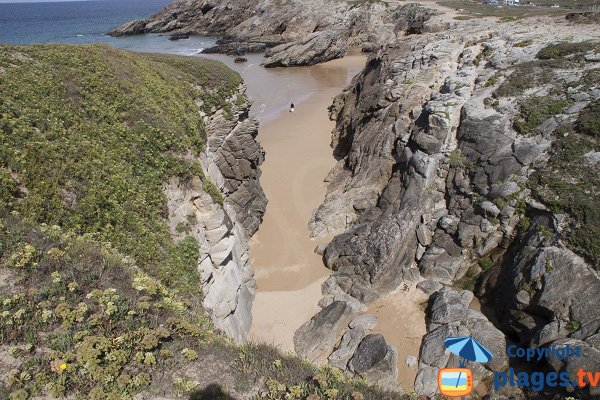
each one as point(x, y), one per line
point(211, 392)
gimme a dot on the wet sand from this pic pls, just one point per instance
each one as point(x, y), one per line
point(298, 157)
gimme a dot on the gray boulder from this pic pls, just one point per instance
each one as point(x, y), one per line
point(589, 360)
point(318, 336)
point(429, 286)
point(449, 307)
point(377, 361)
point(348, 345)
point(426, 382)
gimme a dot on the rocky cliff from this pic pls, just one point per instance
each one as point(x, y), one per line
point(231, 160)
point(465, 162)
point(294, 32)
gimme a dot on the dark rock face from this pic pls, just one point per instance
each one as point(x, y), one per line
point(371, 351)
point(131, 28)
point(179, 36)
point(376, 360)
point(229, 47)
point(298, 33)
point(534, 299)
point(412, 19)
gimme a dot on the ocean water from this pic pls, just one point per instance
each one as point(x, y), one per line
point(86, 22)
point(77, 22)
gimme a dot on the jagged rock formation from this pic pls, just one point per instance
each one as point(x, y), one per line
point(297, 32)
point(233, 148)
point(231, 160)
point(337, 327)
point(443, 141)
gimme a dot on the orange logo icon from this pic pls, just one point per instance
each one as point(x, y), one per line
point(455, 382)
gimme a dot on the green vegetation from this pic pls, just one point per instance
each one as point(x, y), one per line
point(528, 288)
point(526, 76)
point(524, 223)
point(91, 134)
point(567, 184)
point(493, 79)
point(485, 263)
point(590, 78)
point(535, 110)
point(573, 326)
point(524, 43)
point(589, 120)
point(566, 49)
point(82, 320)
point(560, 56)
point(456, 159)
point(485, 53)
point(106, 324)
point(463, 17)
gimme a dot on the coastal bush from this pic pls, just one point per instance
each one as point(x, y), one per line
point(526, 76)
point(84, 321)
point(493, 79)
point(535, 110)
point(523, 43)
point(566, 49)
point(93, 310)
point(456, 159)
point(485, 263)
point(92, 133)
point(588, 122)
point(568, 185)
point(553, 57)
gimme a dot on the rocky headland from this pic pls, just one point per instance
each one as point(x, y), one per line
point(291, 32)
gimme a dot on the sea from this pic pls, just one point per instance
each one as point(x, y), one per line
point(86, 22)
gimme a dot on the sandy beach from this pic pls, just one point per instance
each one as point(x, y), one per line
point(288, 272)
point(401, 320)
point(298, 157)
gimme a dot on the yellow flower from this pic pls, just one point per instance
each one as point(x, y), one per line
point(58, 366)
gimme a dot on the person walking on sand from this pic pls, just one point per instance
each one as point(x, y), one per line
point(292, 107)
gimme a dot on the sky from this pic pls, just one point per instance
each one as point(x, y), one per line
point(34, 1)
